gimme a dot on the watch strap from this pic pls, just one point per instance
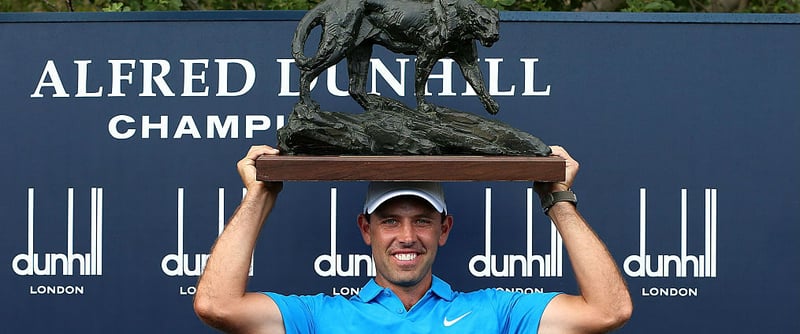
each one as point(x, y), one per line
point(559, 196)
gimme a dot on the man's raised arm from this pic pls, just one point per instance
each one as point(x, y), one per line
point(604, 302)
point(221, 300)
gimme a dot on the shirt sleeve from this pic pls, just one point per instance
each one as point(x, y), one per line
point(296, 312)
point(523, 311)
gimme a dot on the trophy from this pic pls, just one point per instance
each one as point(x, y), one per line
point(390, 141)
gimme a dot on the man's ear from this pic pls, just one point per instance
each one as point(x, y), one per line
point(363, 226)
point(447, 225)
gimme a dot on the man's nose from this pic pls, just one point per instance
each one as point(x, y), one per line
point(406, 233)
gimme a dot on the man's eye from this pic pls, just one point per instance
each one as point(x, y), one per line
point(423, 222)
point(389, 222)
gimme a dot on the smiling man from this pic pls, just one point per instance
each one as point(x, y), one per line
point(405, 224)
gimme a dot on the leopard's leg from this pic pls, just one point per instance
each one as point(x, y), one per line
point(423, 69)
point(357, 70)
point(467, 60)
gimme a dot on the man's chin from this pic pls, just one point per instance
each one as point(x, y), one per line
point(406, 280)
point(407, 284)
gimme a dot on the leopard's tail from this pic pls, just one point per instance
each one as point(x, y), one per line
point(338, 35)
point(312, 19)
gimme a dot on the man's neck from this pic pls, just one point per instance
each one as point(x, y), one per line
point(409, 295)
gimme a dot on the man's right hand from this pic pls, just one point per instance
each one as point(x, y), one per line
point(221, 299)
point(247, 170)
point(544, 188)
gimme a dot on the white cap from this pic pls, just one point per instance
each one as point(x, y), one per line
point(380, 192)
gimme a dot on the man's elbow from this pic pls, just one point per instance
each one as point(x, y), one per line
point(209, 311)
point(620, 315)
point(624, 315)
point(203, 307)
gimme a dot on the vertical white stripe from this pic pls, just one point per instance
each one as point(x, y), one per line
point(30, 222)
point(707, 218)
point(70, 222)
point(488, 225)
point(333, 228)
point(642, 221)
point(560, 248)
point(529, 227)
point(553, 250)
point(221, 210)
point(684, 195)
point(180, 223)
point(99, 260)
point(252, 255)
point(713, 259)
point(93, 247)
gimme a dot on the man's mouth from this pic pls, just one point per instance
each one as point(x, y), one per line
point(405, 256)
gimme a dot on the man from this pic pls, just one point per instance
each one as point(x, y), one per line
point(405, 224)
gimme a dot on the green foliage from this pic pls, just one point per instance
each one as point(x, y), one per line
point(143, 5)
point(256, 4)
point(530, 5)
point(151, 5)
point(748, 6)
point(116, 7)
point(774, 6)
point(499, 4)
point(650, 6)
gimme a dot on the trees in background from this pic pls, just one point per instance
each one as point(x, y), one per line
point(741, 6)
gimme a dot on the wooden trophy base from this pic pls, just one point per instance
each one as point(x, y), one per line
point(409, 168)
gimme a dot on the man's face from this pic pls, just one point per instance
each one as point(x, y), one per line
point(405, 233)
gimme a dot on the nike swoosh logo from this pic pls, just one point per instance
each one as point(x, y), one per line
point(448, 323)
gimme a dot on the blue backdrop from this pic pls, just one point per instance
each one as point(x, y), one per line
point(120, 134)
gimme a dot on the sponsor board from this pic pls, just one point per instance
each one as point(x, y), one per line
point(639, 100)
point(681, 265)
point(504, 265)
point(155, 78)
point(192, 265)
point(69, 262)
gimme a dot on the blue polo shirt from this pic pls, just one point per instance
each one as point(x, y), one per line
point(378, 310)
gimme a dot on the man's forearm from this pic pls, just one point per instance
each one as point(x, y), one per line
point(226, 271)
point(599, 280)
